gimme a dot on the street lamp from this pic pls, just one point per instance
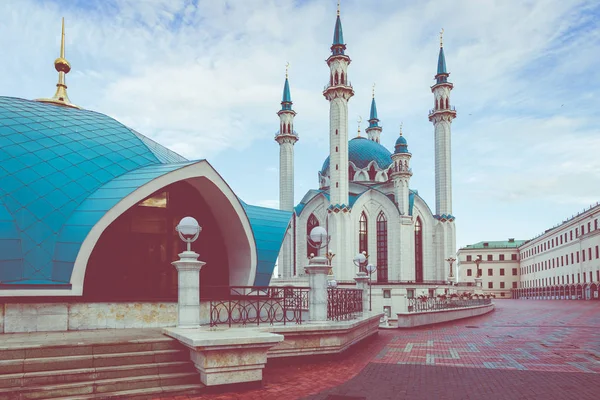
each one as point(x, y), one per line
point(451, 261)
point(188, 229)
point(360, 259)
point(318, 238)
point(332, 283)
point(478, 261)
point(370, 269)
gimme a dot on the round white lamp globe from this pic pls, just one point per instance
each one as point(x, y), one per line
point(318, 235)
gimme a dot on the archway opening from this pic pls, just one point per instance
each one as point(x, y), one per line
point(132, 259)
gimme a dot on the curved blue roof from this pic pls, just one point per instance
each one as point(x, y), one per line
point(286, 102)
point(61, 170)
point(361, 151)
point(401, 145)
point(338, 35)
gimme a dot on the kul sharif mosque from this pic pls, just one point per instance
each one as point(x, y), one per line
point(364, 199)
point(88, 206)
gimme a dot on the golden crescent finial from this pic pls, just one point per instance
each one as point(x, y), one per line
point(287, 66)
point(441, 38)
point(373, 90)
point(400, 128)
point(338, 8)
point(359, 122)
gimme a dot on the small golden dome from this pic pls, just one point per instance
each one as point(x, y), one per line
point(62, 65)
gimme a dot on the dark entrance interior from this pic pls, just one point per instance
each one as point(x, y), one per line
point(132, 259)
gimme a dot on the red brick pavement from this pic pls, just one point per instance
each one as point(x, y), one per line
point(525, 349)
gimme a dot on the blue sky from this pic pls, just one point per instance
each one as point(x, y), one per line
point(205, 79)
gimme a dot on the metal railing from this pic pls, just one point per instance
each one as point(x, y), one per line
point(400, 283)
point(244, 305)
point(416, 304)
point(344, 304)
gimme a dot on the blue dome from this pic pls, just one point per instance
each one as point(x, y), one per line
point(361, 151)
point(401, 145)
point(52, 159)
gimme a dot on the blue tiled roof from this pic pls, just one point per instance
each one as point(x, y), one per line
point(401, 145)
point(361, 151)
point(373, 113)
point(61, 170)
point(51, 159)
point(338, 35)
point(268, 226)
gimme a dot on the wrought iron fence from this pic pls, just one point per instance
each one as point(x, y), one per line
point(431, 304)
point(344, 304)
point(244, 305)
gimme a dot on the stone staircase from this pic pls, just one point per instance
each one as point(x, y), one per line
point(106, 368)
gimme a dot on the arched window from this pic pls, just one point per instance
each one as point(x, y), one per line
point(363, 237)
point(418, 251)
point(336, 80)
point(350, 173)
point(310, 224)
point(382, 248)
point(447, 103)
point(372, 173)
point(342, 79)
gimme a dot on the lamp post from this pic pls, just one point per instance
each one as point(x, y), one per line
point(477, 262)
point(188, 275)
point(370, 269)
point(451, 275)
point(361, 259)
point(317, 269)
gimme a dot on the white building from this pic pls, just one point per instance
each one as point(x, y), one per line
point(363, 197)
point(564, 261)
point(499, 265)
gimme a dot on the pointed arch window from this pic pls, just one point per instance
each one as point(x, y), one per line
point(382, 248)
point(372, 173)
point(363, 237)
point(310, 224)
point(418, 250)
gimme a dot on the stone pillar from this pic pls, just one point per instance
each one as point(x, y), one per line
point(362, 280)
point(478, 285)
point(188, 301)
point(317, 271)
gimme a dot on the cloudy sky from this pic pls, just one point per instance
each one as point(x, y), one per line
point(205, 79)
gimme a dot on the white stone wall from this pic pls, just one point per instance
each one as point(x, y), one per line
point(338, 150)
point(286, 175)
point(443, 168)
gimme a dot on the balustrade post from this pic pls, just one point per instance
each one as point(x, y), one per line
point(362, 283)
point(317, 270)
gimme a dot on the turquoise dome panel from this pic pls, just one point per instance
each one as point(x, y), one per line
point(269, 227)
point(51, 159)
point(361, 151)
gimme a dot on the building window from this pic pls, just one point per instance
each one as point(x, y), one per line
point(310, 225)
point(410, 293)
point(387, 293)
point(490, 272)
point(514, 271)
point(597, 252)
point(571, 234)
point(490, 257)
point(363, 238)
point(469, 272)
point(501, 271)
point(431, 293)
point(501, 285)
point(514, 285)
point(513, 257)
point(490, 285)
point(501, 257)
point(469, 258)
point(577, 256)
point(418, 251)
point(589, 253)
point(382, 248)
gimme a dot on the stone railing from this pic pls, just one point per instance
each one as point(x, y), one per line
point(344, 304)
point(434, 304)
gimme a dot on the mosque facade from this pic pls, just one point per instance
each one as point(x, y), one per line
point(363, 197)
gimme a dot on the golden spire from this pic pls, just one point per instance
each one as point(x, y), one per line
point(338, 8)
point(359, 122)
point(400, 128)
point(287, 66)
point(373, 91)
point(63, 67)
point(441, 38)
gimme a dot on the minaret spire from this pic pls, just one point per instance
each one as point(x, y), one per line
point(62, 67)
point(442, 116)
point(374, 130)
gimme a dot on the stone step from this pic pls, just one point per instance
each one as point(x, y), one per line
point(15, 366)
point(99, 388)
point(144, 394)
point(85, 348)
point(91, 374)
